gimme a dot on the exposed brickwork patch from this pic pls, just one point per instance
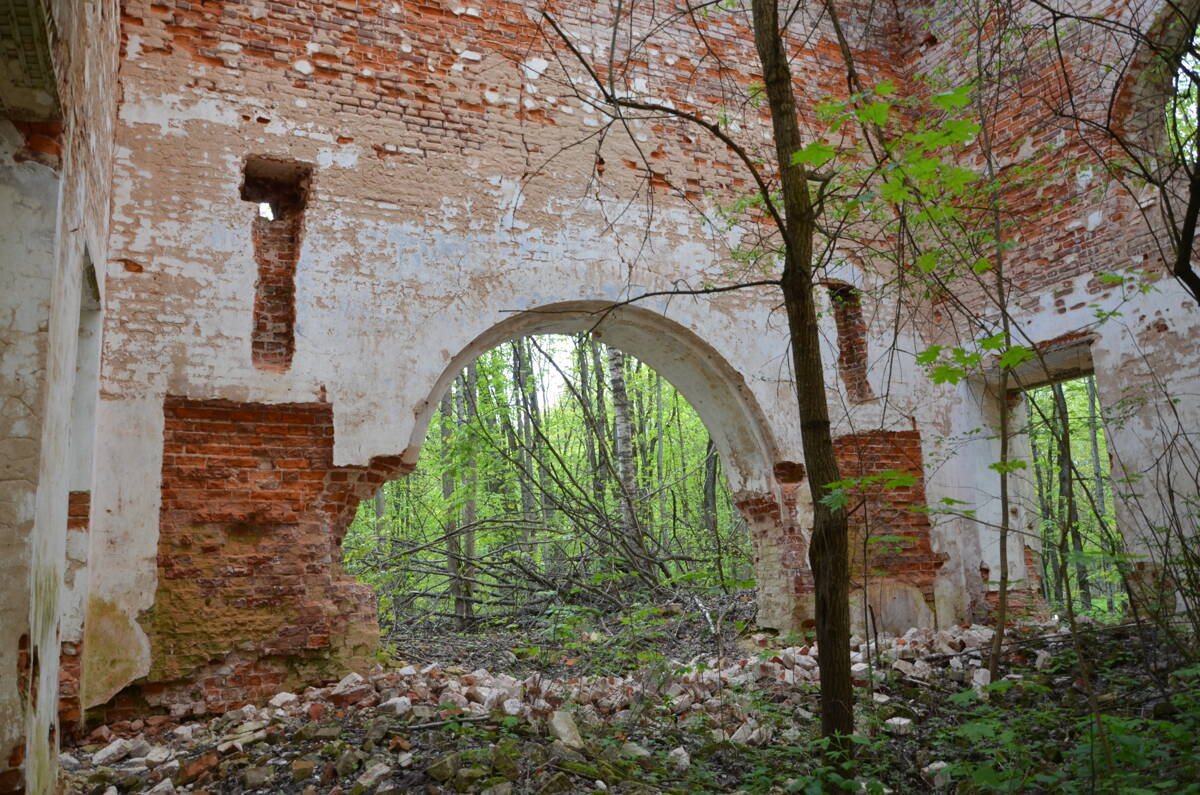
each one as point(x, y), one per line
point(70, 713)
point(282, 186)
point(251, 594)
point(852, 342)
point(79, 503)
point(43, 142)
point(879, 513)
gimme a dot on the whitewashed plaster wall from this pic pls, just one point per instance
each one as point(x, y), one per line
point(28, 203)
point(406, 263)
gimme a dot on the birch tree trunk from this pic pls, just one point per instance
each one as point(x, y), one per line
point(467, 401)
point(626, 466)
point(450, 526)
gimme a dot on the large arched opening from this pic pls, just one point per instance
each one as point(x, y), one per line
point(476, 537)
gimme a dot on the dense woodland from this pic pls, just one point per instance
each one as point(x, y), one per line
point(558, 474)
point(1071, 470)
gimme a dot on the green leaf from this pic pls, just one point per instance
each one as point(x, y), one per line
point(816, 154)
point(836, 500)
point(894, 190)
point(948, 100)
point(927, 261)
point(1011, 465)
point(874, 113)
point(994, 342)
point(947, 374)
point(982, 265)
point(1015, 356)
point(955, 179)
point(967, 358)
point(894, 479)
point(959, 131)
point(886, 88)
point(930, 355)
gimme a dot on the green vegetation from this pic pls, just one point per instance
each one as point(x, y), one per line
point(560, 479)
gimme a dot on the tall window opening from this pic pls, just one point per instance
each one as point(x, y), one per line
point(279, 190)
point(565, 492)
point(1073, 502)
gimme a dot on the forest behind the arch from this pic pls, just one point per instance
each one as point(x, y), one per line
point(557, 473)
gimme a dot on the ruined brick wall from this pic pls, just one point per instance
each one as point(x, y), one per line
point(276, 250)
point(55, 181)
point(251, 595)
point(1065, 222)
point(449, 195)
point(876, 512)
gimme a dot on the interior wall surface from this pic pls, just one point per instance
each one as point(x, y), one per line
point(29, 200)
point(454, 185)
point(447, 193)
point(57, 136)
point(1086, 275)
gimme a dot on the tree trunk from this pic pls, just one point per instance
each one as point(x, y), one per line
point(1094, 428)
point(626, 463)
point(660, 487)
point(1066, 492)
point(828, 553)
point(710, 506)
point(467, 415)
point(589, 416)
point(1051, 584)
point(604, 458)
point(450, 527)
point(525, 456)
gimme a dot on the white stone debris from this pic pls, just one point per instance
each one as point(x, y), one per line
point(400, 705)
point(283, 699)
point(936, 771)
point(562, 726)
point(373, 775)
point(706, 690)
point(164, 787)
point(348, 681)
point(679, 759)
point(113, 752)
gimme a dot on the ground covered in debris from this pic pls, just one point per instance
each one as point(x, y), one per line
point(930, 719)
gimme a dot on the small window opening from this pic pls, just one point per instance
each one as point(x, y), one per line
point(279, 189)
point(281, 185)
point(852, 342)
point(1072, 500)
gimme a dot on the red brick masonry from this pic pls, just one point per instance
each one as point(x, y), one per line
point(251, 594)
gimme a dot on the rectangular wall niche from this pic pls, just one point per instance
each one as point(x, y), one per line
point(852, 342)
point(280, 189)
